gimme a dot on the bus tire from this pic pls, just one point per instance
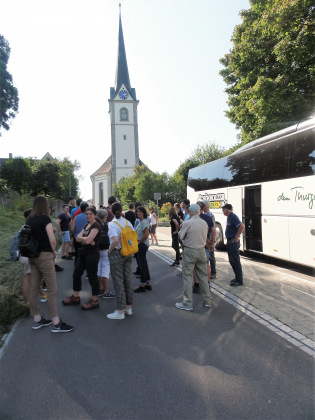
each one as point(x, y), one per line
point(219, 238)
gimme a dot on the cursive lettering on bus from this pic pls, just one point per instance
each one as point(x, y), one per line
point(282, 197)
point(301, 196)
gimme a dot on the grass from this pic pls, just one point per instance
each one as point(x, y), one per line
point(11, 273)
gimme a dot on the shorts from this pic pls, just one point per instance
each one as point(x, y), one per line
point(103, 264)
point(66, 236)
point(26, 265)
point(208, 255)
point(152, 229)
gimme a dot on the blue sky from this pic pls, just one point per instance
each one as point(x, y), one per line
point(63, 62)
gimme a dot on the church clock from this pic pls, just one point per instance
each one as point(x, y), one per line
point(123, 94)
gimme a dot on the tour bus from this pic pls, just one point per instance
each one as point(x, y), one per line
point(270, 183)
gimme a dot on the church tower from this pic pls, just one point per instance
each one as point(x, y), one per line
point(123, 117)
point(124, 130)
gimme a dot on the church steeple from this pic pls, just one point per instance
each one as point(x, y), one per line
point(122, 73)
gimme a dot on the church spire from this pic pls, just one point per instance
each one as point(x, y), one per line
point(122, 73)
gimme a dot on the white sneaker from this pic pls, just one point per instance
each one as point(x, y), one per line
point(180, 305)
point(207, 305)
point(116, 315)
point(128, 311)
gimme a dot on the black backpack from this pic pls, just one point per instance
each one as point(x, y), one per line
point(104, 239)
point(28, 244)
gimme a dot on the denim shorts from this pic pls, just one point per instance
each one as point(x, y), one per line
point(66, 236)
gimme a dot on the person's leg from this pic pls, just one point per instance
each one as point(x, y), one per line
point(63, 254)
point(213, 264)
point(117, 273)
point(175, 246)
point(76, 250)
point(77, 273)
point(145, 274)
point(67, 247)
point(36, 279)
point(128, 282)
point(202, 274)
point(234, 257)
point(100, 270)
point(188, 265)
point(26, 286)
point(91, 269)
point(46, 265)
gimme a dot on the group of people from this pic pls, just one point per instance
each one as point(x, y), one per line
point(97, 243)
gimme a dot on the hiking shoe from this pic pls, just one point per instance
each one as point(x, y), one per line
point(101, 293)
point(148, 287)
point(43, 298)
point(109, 295)
point(92, 304)
point(62, 327)
point(116, 315)
point(140, 289)
point(128, 311)
point(72, 300)
point(42, 323)
point(180, 305)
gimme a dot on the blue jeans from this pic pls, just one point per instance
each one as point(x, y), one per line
point(233, 249)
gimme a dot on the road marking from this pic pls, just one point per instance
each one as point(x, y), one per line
point(7, 337)
point(292, 336)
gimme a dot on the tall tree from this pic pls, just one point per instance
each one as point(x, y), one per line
point(9, 99)
point(270, 71)
point(18, 174)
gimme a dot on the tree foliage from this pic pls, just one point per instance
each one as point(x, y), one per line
point(50, 178)
point(270, 71)
point(9, 99)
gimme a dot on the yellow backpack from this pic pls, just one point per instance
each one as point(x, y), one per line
point(129, 240)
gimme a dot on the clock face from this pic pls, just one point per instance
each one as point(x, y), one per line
point(123, 94)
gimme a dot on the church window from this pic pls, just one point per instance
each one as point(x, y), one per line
point(100, 193)
point(125, 161)
point(124, 114)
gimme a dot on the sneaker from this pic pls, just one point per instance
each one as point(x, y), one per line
point(128, 311)
point(43, 298)
point(63, 257)
point(101, 293)
point(180, 305)
point(72, 300)
point(58, 268)
point(91, 304)
point(207, 305)
point(68, 258)
point(175, 263)
point(42, 323)
point(109, 295)
point(139, 289)
point(62, 327)
point(213, 276)
point(116, 315)
point(148, 287)
point(136, 272)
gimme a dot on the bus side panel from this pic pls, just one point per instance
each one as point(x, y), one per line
point(234, 197)
point(275, 236)
point(302, 240)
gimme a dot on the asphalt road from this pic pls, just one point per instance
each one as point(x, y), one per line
point(161, 363)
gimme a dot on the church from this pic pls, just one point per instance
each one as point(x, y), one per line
point(123, 105)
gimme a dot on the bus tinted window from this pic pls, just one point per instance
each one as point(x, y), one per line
point(289, 156)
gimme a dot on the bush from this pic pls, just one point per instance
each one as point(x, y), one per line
point(165, 209)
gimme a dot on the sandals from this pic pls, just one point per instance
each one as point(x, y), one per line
point(72, 300)
point(92, 304)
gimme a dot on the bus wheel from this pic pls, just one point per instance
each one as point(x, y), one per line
point(219, 239)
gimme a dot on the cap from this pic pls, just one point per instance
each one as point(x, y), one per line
point(195, 208)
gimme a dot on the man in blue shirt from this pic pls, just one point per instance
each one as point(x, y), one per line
point(233, 231)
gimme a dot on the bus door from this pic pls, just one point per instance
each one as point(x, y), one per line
point(234, 197)
point(253, 235)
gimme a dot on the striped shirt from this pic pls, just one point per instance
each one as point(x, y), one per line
point(194, 232)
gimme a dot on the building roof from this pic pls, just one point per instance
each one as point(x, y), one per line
point(122, 73)
point(105, 168)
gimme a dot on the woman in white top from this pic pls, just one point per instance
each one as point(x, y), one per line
point(120, 267)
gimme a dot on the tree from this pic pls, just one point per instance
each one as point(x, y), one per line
point(9, 99)
point(17, 173)
point(270, 71)
point(201, 155)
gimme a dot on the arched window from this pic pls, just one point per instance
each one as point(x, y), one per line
point(124, 114)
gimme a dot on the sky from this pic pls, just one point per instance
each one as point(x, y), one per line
point(63, 62)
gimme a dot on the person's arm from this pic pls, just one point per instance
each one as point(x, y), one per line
point(176, 225)
point(183, 230)
point(51, 238)
point(72, 225)
point(90, 238)
point(157, 220)
point(80, 236)
point(145, 235)
point(213, 238)
point(115, 241)
point(58, 221)
point(239, 232)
